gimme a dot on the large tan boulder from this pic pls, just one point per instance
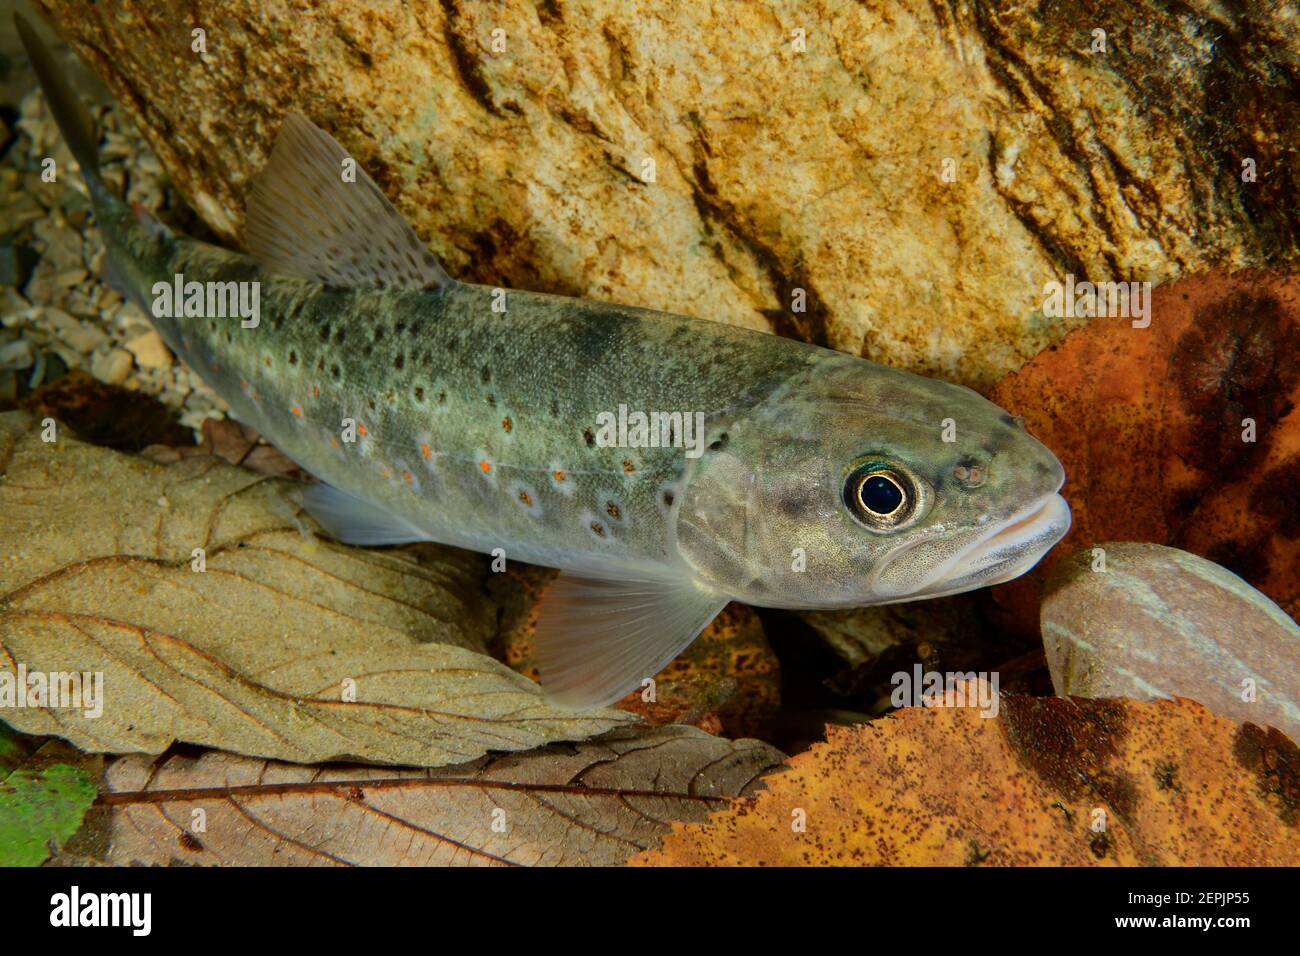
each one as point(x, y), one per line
point(793, 146)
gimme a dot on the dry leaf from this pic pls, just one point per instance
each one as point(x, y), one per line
point(107, 415)
point(1049, 781)
point(44, 796)
point(1186, 433)
point(258, 652)
point(230, 441)
point(593, 804)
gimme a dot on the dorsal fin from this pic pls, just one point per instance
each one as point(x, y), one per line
point(305, 219)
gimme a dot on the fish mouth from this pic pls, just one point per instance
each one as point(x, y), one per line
point(1006, 550)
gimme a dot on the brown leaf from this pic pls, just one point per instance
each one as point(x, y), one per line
point(232, 442)
point(282, 646)
point(1049, 781)
point(106, 414)
point(592, 804)
point(1148, 423)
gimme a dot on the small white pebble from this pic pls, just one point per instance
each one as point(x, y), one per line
point(113, 367)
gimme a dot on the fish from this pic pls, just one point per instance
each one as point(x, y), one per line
point(666, 465)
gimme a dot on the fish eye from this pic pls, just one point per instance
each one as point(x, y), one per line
point(880, 496)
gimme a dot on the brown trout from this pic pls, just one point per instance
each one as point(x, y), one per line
point(667, 465)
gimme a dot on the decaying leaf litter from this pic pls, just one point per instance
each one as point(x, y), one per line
point(282, 680)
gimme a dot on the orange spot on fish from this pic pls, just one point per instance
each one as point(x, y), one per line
point(296, 410)
point(406, 476)
point(628, 467)
point(558, 475)
point(315, 392)
point(425, 451)
point(361, 430)
point(334, 442)
point(486, 466)
point(385, 471)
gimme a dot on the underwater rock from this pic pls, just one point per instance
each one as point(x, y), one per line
point(894, 180)
point(1159, 622)
point(860, 635)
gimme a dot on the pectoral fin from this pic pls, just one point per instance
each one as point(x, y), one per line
point(353, 521)
point(599, 638)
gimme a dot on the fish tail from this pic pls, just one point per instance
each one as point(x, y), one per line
point(69, 113)
point(121, 226)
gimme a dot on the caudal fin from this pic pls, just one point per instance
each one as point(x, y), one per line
point(74, 122)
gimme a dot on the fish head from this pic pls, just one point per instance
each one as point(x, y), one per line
point(855, 484)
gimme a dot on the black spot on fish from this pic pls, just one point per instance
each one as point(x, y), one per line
point(378, 332)
point(400, 361)
point(492, 400)
point(371, 403)
point(419, 394)
point(668, 499)
point(613, 510)
point(598, 529)
point(325, 332)
point(399, 328)
point(293, 357)
point(485, 375)
point(555, 408)
point(442, 397)
point(339, 336)
point(589, 437)
point(334, 371)
point(719, 443)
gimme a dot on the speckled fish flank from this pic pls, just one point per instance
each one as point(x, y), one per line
point(432, 409)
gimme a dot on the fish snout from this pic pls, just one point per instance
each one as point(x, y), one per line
point(995, 554)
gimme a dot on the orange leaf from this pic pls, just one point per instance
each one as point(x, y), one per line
point(1150, 424)
point(1048, 781)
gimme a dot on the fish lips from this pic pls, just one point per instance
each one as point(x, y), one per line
point(999, 553)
